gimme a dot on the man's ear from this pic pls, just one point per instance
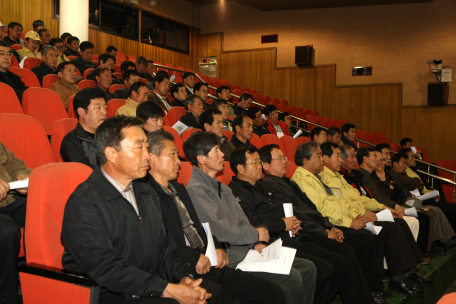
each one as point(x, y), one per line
point(266, 167)
point(153, 158)
point(240, 169)
point(110, 153)
point(201, 159)
point(81, 112)
point(205, 126)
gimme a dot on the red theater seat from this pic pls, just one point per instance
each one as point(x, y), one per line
point(143, 80)
point(185, 172)
point(26, 138)
point(9, 103)
point(226, 175)
point(269, 139)
point(302, 139)
point(70, 107)
point(42, 278)
point(187, 133)
point(17, 47)
point(228, 134)
point(117, 69)
point(86, 84)
point(113, 105)
point(256, 141)
point(61, 128)
point(45, 105)
point(14, 62)
point(114, 87)
point(121, 55)
point(291, 168)
point(49, 80)
point(131, 58)
point(31, 62)
point(177, 140)
point(290, 144)
point(175, 114)
point(95, 57)
point(27, 77)
point(72, 57)
point(425, 156)
point(87, 72)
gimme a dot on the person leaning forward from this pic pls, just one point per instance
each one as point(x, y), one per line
point(121, 243)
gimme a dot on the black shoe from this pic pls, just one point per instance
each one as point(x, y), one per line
point(379, 300)
point(406, 288)
point(384, 293)
point(418, 279)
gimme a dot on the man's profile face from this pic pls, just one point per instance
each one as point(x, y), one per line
point(252, 171)
point(351, 135)
point(5, 58)
point(217, 125)
point(371, 161)
point(320, 138)
point(51, 58)
point(278, 165)
point(245, 103)
point(108, 64)
point(225, 111)
point(132, 157)
point(245, 131)
point(258, 119)
point(15, 32)
point(162, 87)
point(31, 44)
point(181, 94)
point(225, 94)
point(287, 120)
point(334, 163)
point(400, 166)
point(351, 161)
point(113, 53)
point(130, 81)
point(167, 163)
point(189, 81)
point(104, 81)
point(140, 68)
point(273, 116)
point(74, 45)
point(86, 55)
point(381, 161)
point(214, 159)
point(409, 144)
point(411, 160)
point(153, 124)
point(69, 74)
point(386, 155)
point(315, 163)
point(196, 108)
point(46, 37)
point(334, 138)
point(141, 96)
point(60, 48)
point(39, 27)
point(203, 93)
point(96, 114)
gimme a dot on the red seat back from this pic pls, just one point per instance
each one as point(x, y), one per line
point(9, 103)
point(291, 168)
point(185, 172)
point(117, 69)
point(87, 72)
point(31, 62)
point(14, 62)
point(177, 140)
point(313, 119)
point(143, 80)
point(61, 128)
point(45, 208)
point(425, 156)
point(70, 108)
point(72, 57)
point(228, 134)
point(26, 138)
point(45, 105)
point(95, 57)
point(131, 58)
point(27, 77)
point(290, 144)
point(269, 139)
point(16, 46)
point(49, 80)
point(226, 175)
point(256, 141)
point(302, 140)
point(86, 84)
point(187, 133)
point(121, 55)
point(175, 114)
point(114, 87)
point(113, 105)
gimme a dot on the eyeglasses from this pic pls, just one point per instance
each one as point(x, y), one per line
point(7, 55)
point(257, 163)
point(281, 158)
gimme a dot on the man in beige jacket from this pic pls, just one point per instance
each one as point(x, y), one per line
point(137, 94)
point(31, 47)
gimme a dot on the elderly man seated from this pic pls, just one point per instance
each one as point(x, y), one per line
point(194, 107)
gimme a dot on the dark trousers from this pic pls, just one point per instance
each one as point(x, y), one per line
point(449, 209)
point(423, 232)
point(12, 217)
point(331, 269)
point(244, 287)
point(352, 284)
point(367, 248)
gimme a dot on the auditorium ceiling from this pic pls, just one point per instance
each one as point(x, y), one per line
point(274, 5)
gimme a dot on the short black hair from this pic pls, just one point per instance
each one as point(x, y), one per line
point(136, 86)
point(238, 121)
point(37, 23)
point(86, 45)
point(397, 157)
point(198, 86)
point(405, 141)
point(380, 147)
point(363, 152)
point(129, 73)
point(200, 143)
point(188, 74)
point(61, 66)
point(125, 65)
point(333, 130)
point(175, 88)
point(105, 57)
point(141, 60)
point(266, 152)
point(220, 89)
point(316, 131)
point(245, 96)
point(269, 109)
point(406, 151)
point(54, 41)
point(252, 112)
point(111, 48)
point(110, 133)
point(157, 139)
point(346, 127)
point(149, 109)
point(83, 98)
point(42, 31)
point(328, 148)
point(207, 117)
point(218, 102)
point(160, 77)
point(4, 44)
point(97, 72)
point(238, 157)
point(64, 35)
point(283, 115)
point(11, 25)
point(304, 150)
point(71, 39)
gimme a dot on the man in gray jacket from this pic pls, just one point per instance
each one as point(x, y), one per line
point(215, 203)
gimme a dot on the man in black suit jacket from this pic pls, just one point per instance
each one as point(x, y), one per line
point(160, 90)
point(11, 79)
point(181, 221)
point(122, 244)
point(194, 106)
point(49, 56)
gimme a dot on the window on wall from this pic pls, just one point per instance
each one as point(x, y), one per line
point(164, 33)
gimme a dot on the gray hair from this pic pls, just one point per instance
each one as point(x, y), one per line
point(46, 49)
point(305, 150)
point(156, 141)
point(141, 60)
point(190, 100)
point(344, 150)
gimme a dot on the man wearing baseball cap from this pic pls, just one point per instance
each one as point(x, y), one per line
point(31, 47)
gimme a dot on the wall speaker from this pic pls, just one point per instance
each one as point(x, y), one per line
point(437, 93)
point(305, 55)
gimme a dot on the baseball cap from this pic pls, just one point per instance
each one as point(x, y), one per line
point(33, 35)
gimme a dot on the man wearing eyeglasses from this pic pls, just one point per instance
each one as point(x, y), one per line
point(58, 43)
point(11, 79)
point(2, 38)
point(243, 130)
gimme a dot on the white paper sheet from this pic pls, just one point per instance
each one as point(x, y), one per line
point(180, 127)
point(288, 210)
point(269, 253)
point(21, 64)
point(171, 79)
point(374, 229)
point(385, 216)
point(414, 150)
point(415, 192)
point(19, 184)
point(429, 195)
point(411, 212)
point(297, 134)
point(210, 247)
point(281, 265)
